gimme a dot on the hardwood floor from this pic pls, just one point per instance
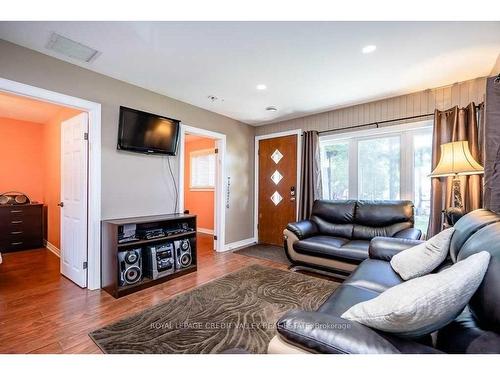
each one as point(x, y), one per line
point(43, 312)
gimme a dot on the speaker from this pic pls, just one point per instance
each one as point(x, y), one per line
point(130, 267)
point(183, 256)
point(13, 198)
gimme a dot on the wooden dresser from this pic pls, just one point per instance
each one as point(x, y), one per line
point(21, 227)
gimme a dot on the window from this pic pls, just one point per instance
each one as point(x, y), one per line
point(422, 162)
point(335, 166)
point(386, 163)
point(378, 168)
point(202, 164)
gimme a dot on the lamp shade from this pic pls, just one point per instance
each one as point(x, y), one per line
point(456, 159)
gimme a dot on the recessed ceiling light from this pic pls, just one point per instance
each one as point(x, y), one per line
point(369, 49)
point(261, 86)
point(272, 109)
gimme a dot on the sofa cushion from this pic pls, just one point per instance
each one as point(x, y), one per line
point(344, 297)
point(467, 226)
point(334, 217)
point(376, 275)
point(424, 258)
point(367, 233)
point(423, 305)
point(362, 245)
point(465, 336)
point(485, 304)
point(383, 213)
point(332, 248)
point(381, 218)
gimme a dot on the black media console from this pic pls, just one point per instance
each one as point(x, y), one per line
point(140, 252)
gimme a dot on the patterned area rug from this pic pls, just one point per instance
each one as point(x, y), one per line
point(239, 310)
point(269, 252)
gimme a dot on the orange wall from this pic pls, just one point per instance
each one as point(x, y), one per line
point(30, 162)
point(200, 203)
point(52, 173)
point(21, 161)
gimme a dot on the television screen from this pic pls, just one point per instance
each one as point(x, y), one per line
point(147, 133)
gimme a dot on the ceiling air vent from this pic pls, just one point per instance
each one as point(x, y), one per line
point(70, 48)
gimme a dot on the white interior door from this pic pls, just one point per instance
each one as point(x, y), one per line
point(74, 158)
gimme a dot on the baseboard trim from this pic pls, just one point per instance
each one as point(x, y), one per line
point(239, 244)
point(205, 231)
point(52, 248)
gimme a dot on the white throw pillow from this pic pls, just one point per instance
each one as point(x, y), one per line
point(422, 259)
point(423, 305)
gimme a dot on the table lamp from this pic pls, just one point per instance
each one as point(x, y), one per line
point(456, 160)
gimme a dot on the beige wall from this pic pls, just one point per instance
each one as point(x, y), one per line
point(134, 184)
point(418, 103)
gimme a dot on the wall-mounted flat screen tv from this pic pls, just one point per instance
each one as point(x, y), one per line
point(147, 133)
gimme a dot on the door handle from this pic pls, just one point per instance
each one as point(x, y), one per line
point(61, 204)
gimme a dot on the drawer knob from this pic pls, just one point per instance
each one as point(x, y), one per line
point(16, 243)
point(16, 211)
point(16, 222)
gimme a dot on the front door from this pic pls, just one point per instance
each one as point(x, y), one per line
point(74, 154)
point(277, 187)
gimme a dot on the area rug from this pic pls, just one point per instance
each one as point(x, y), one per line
point(268, 252)
point(237, 311)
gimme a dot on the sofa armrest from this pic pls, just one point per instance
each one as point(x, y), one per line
point(323, 333)
point(303, 229)
point(409, 234)
point(384, 248)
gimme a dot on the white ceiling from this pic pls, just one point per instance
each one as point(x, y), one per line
point(25, 109)
point(308, 67)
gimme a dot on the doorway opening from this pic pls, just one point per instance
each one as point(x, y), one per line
point(201, 180)
point(54, 149)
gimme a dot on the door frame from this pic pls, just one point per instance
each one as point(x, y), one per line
point(94, 166)
point(298, 133)
point(219, 209)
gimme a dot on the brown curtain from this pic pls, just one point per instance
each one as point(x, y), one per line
point(455, 124)
point(492, 145)
point(310, 179)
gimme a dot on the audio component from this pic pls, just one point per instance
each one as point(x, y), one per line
point(13, 198)
point(149, 234)
point(126, 233)
point(158, 260)
point(130, 266)
point(183, 257)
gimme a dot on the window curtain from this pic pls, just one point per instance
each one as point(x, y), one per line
point(455, 124)
point(310, 178)
point(492, 145)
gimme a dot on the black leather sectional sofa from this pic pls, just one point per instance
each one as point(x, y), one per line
point(475, 330)
point(337, 235)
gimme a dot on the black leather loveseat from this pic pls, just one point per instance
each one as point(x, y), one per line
point(338, 233)
point(475, 330)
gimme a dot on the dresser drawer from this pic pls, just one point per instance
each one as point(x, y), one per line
point(21, 224)
point(18, 213)
point(21, 244)
point(16, 236)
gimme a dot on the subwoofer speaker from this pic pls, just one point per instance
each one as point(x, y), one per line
point(183, 255)
point(130, 270)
